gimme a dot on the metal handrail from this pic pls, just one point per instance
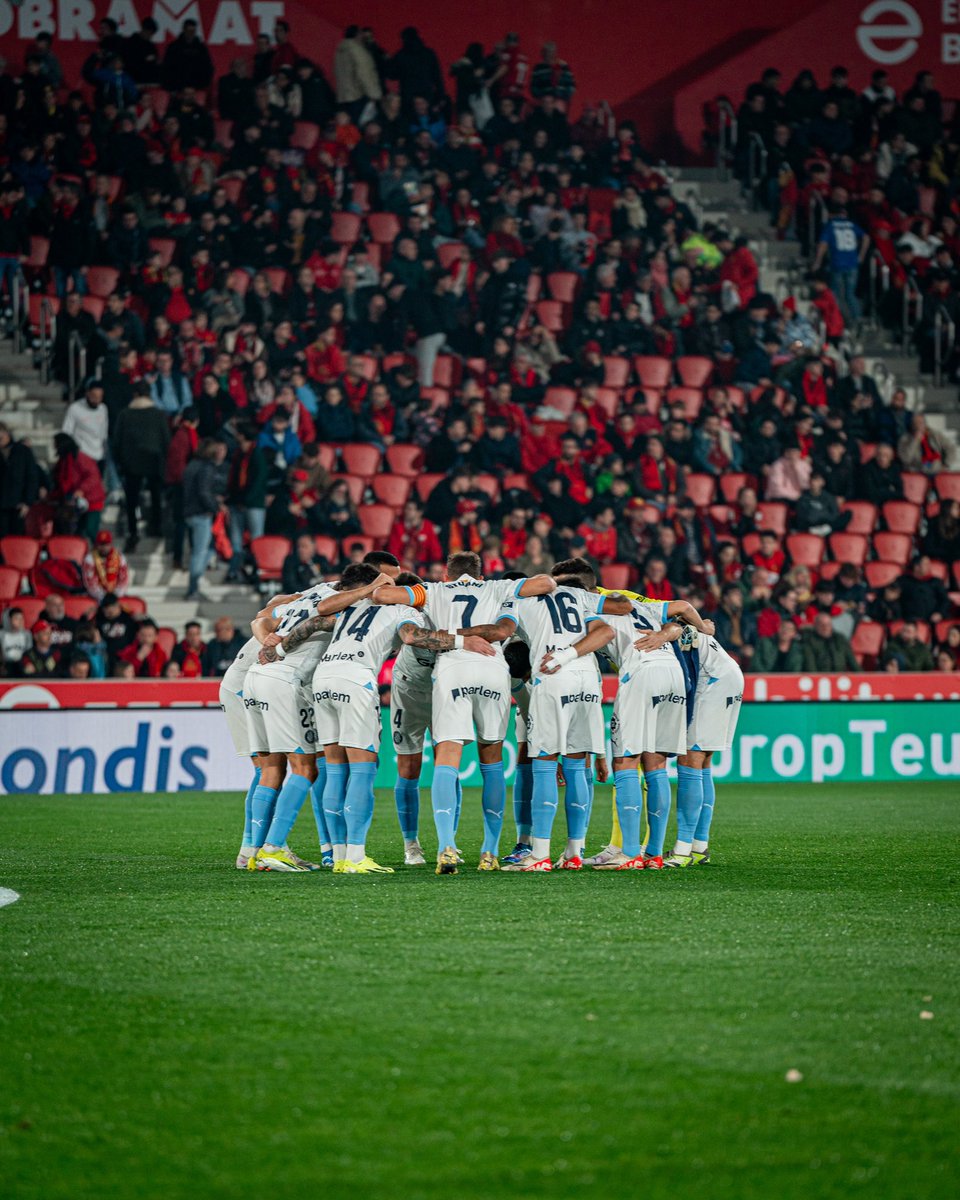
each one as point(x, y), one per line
point(879, 285)
point(911, 291)
point(16, 297)
point(48, 331)
point(756, 152)
point(726, 137)
point(942, 321)
point(815, 208)
point(76, 357)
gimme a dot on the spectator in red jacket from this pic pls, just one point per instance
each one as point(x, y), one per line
point(325, 360)
point(77, 485)
point(413, 540)
point(740, 269)
point(655, 583)
point(145, 654)
point(769, 560)
point(188, 654)
point(656, 475)
point(825, 302)
point(600, 535)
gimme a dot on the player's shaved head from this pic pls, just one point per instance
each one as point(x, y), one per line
point(579, 567)
point(389, 564)
point(357, 575)
point(465, 562)
point(407, 579)
point(573, 581)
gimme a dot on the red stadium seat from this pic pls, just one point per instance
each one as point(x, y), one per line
point(923, 630)
point(562, 399)
point(690, 398)
point(67, 545)
point(615, 576)
point(519, 481)
point(167, 247)
point(360, 196)
point(78, 608)
point(167, 639)
point(849, 548)
point(868, 451)
point(864, 516)
point(694, 370)
point(305, 136)
point(772, 514)
point(39, 253)
point(653, 371)
point(535, 288)
point(892, 547)
point(943, 627)
point(477, 367)
point(701, 489)
point(563, 285)
point(279, 279)
point(328, 548)
point(956, 573)
point(360, 458)
point(426, 483)
point(829, 570)
point(730, 484)
point(550, 315)
point(327, 457)
point(376, 521)
point(948, 485)
point(20, 552)
point(134, 605)
point(10, 579)
point(42, 309)
point(901, 516)
point(365, 543)
point(880, 574)
point(447, 372)
point(94, 305)
point(31, 606)
point(737, 397)
point(616, 371)
point(609, 400)
point(867, 642)
point(232, 186)
point(489, 484)
point(102, 281)
point(439, 397)
point(806, 549)
point(404, 459)
point(345, 228)
point(223, 133)
point(392, 361)
point(384, 227)
point(940, 570)
point(750, 544)
point(356, 487)
point(392, 489)
point(268, 553)
point(915, 486)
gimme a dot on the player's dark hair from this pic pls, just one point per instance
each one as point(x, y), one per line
point(513, 575)
point(407, 579)
point(380, 558)
point(517, 655)
point(465, 562)
point(573, 581)
point(576, 566)
point(357, 575)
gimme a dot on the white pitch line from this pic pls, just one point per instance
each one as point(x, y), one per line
point(8, 896)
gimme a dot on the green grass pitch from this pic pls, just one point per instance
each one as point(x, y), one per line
point(170, 1027)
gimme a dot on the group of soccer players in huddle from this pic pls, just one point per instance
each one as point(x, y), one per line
point(301, 700)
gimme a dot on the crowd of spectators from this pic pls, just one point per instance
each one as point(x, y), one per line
point(437, 294)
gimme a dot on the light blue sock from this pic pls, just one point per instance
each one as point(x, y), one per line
point(406, 792)
point(494, 801)
point(248, 808)
point(591, 778)
point(689, 801)
point(289, 802)
point(577, 799)
point(456, 819)
point(658, 810)
point(333, 797)
point(358, 806)
point(546, 796)
point(702, 833)
point(443, 796)
point(316, 801)
point(629, 808)
point(261, 813)
point(522, 799)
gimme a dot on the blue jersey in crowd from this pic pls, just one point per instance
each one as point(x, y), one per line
point(842, 238)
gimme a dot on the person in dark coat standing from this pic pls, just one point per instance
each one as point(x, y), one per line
point(187, 62)
point(19, 482)
point(139, 441)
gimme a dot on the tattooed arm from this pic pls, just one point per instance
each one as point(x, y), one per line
point(296, 637)
point(440, 640)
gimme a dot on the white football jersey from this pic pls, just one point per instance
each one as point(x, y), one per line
point(467, 602)
point(363, 638)
point(645, 617)
point(303, 658)
point(247, 655)
point(417, 664)
point(553, 622)
point(714, 660)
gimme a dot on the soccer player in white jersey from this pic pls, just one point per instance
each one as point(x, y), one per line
point(517, 654)
point(471, 693)
point(411, 707)
point(716, 709)
point(649, 720)
point(566, 718)
point(280, 716)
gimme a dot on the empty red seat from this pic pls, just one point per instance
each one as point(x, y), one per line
point(868, 451)
point(615, 576)
point(376, 521)
point(392, 489)
point(863, 517)
point(915, 486)
point(268, 553)
point(562, 399)
point(849, 548)
point(616, 371)
point(880, 574)
point(562, 286)
point(426, 483)
point(78, 608)
point(805, 549)
point(136, 606)
point(867, 642)
point(384, 227)
point(345, 228)
point(695, 370)
point(404, 459)
point(39, 252)
point(67, 545)
point(10, 579)
point(327, 548)
point(41, 310)
point(360, 458)
point(901, 516)
point(447, 371)
point(167, 247)
point(750, 544)
point(947, 484)
point(101, 281)
point(450, 253)
point(653, 371)
point(892, 547)
point(609, 400)
point(772, 514)
point(943, 627)
point(94, 305)
point(489, 484)
point(829, 570)
point(701, 489)
point(20, 552)
point(31, 607)
point(518, 481)
point(279, 279)
point(737, 397)
point(327, 456)
point(167, 639)
point(730, 484)
point(691, 399)
point(550, 315)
